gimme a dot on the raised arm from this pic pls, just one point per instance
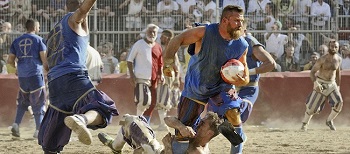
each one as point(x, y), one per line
point(79, 18)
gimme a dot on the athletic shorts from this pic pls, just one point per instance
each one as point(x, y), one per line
point(226, 103)
point(32, 92)
point(71, 94)
point(249, 95)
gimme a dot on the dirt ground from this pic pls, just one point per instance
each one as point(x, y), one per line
point(268, 138)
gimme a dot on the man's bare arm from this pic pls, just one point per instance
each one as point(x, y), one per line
point(80, 15)
point(268, 63)
point(315, 68)
point(185, 38)
point(185, 131)
point(11, 60)
point(43, 60)
point(338, 75)
point(243, 60)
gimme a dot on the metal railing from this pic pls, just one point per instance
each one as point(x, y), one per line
point(123, 30)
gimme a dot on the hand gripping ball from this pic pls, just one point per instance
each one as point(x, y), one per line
point(230, 70)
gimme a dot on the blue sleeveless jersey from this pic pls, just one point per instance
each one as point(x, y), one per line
point(252, 63)
point(203, 79)
point(27, 50)
point(66, 50)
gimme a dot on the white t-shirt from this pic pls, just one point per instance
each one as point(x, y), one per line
point(185, 6)
point(135, 8)
point(173, 6)
point(317, 10)
point(275, 44)
point(94, 64)
point(271, 23)
point(109, 62)
point(141, 56)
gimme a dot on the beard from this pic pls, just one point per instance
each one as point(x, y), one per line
point(235, 33)
point(332, 52)
point(151, 39)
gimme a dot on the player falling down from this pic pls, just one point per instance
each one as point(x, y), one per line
point(136, 132)
point(139, 135)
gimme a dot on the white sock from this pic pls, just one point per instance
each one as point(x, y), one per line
point(332, 115)
point(162, 114)
point(307, 118)
point(140, 111)
point(118, 142)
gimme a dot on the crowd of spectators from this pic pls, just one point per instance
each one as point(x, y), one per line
point(270, 19)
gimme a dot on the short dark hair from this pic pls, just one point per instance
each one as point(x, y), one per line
point(229, 9)
point(30, 24)
point(215, 122)
point(169, 33)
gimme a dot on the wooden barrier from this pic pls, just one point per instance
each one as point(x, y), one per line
point(282, 97)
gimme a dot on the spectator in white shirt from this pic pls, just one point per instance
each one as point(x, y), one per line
point(321, 12)
point(275, 41)
point(186, 7)
point(167, 8)
point(234, 2)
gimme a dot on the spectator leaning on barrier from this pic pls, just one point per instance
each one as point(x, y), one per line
point(110, 63)
point(321, 13)
point(287, 60)
point(5, 40)
point(302, 13)
point(135, 8)
point(167, 8)
point(275, 41)
point(313, 58)
point(123, 67)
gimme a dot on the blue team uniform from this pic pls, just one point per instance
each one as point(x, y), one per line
point(203, 79)
point(249, 92)
point(70, 90)
point(27, 50)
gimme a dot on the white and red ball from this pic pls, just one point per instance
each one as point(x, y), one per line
point(230, 70)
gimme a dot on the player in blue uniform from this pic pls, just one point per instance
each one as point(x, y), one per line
point(30, 50)
point(75, 104)
point(259, 61)
point(215, 45)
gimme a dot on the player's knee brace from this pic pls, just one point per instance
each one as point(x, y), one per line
point(234, 117)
